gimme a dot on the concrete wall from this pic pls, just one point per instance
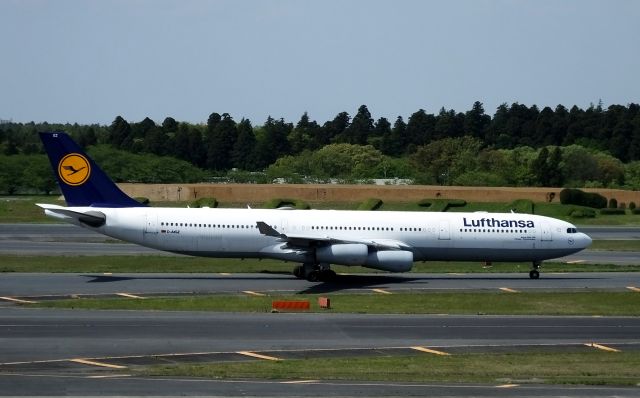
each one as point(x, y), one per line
point(255, 193)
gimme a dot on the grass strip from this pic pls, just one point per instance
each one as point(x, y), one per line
point(616, 245)
point(164, 264)
point(595, 368)
point(490, 303)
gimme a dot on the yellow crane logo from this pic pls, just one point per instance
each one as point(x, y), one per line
point(74, 169)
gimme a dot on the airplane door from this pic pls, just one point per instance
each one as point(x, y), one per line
point(444, 233)
point(546, 233)
point(151, 226)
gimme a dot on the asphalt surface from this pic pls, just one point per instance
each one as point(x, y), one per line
point(56, 336)
point(66, 284)
point(30, 335)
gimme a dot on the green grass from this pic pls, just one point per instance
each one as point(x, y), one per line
point(23, 209)
point(184, 264)
point(595, 368)
point(616, 245)
point(490, 303)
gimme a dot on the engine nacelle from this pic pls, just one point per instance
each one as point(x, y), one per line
point(344, 254)
point(390, 260)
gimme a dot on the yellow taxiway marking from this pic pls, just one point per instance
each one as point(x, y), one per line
point(225, 274)
point(96, 363)
point(15, 300)
point(635, 289)
point(107, 273)
point(506, 289)
point(507, 385)
point(299, 381)
point(129, 295)
point(430, 351)
point(575, 262)
point(381, 291)
point(454, 273)
point(601, 347)
point(250, 293)
point(256, 355)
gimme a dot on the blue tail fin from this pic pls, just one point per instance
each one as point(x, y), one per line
point(82, 182)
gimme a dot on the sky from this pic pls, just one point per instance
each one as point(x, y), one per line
point(88, 61)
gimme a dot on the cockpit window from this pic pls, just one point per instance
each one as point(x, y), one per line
point(572, 231)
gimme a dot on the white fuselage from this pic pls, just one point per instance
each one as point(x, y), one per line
point(428, 235)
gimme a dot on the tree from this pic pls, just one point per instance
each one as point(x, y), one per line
point(155, 141)
point(243, 153)
point(333, 129)
point(395, 143)
point(220, 142)
point(540, 168)
point(120, 133)
point(303, 136)
point(476, 121)
point(420, 128)
point(555, 173)
point(360, 128)
point(381, 129)
point(274, 143)
point(169, 125)
point(442, 161)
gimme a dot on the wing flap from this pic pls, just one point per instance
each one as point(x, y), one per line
point(305, 241)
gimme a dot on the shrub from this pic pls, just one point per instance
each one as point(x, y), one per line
point(522, 206)
point(280, 202)
point(620, 212)
point(204, 202)
point(582, 213)
point(441, 204)
point(632, 205)
point(613, 203)
point(572, 196)
point(142, 199)
point(370, 204)
point(635, 211)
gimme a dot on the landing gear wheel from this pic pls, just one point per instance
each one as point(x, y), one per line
point(534, 274)
point(297, 271)
point(328, 275)
point(314, 276)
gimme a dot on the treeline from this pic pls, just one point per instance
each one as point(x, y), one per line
point(518, 145)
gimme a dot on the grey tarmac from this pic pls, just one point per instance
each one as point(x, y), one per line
point(35, 285)
point(44, 335)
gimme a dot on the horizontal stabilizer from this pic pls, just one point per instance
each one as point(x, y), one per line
point(91, 218)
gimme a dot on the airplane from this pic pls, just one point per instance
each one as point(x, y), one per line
point(388, 240)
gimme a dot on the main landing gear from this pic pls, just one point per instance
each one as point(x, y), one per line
point(314, 272)
point(535, 273)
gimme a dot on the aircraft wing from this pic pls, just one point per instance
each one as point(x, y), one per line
point(90, 218)
point(306, 241)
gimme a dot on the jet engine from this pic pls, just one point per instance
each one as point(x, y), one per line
point(344, 254)
point(390, 260)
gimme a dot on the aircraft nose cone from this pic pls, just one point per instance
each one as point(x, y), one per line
point(585, 240)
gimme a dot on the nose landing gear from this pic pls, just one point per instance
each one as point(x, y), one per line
point(535, 273)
